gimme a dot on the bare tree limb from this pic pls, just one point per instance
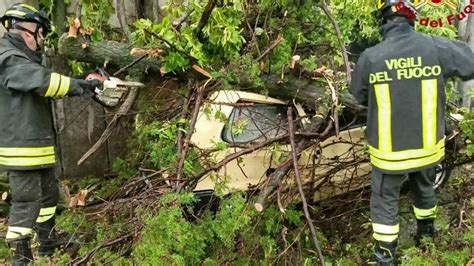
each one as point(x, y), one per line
point(185, 145)
point(294, 156)
point(274, 44)
point(127, 104)
point(328, 13)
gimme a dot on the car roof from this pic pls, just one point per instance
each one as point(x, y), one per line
point(233, 96)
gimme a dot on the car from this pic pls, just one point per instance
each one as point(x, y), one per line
point(232, 119)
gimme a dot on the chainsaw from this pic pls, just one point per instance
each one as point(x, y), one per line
point(113, 89)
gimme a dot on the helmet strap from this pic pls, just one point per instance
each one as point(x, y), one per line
point(35, 33)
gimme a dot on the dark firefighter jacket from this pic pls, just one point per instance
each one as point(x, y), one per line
point(26, 126)
point(402, 81)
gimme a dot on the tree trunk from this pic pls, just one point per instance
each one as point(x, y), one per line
point(59, 16)
point(104, 53)
point(466, 33)
point(304, 91)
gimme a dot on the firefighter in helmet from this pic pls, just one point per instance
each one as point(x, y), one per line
point(401, 80)
point(27, 137)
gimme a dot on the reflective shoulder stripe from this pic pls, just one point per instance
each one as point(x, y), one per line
point(382, 93)
point(406, 154)
point(53, 85)
point(421, 214)
point(407, 164)
point(27, 161)
point(64, 87)
point(429, 98)
point(15, 12)
point(16, 231)
point(46, 214)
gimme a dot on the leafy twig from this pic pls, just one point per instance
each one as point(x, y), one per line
point(205, 17)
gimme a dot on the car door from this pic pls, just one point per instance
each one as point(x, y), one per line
point(246, 119)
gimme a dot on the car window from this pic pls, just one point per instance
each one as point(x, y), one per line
point(256, 122)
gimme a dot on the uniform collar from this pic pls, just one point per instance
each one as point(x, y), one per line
point(392, 29)
point(15, 41)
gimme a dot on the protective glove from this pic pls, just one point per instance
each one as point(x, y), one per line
point(96, 86)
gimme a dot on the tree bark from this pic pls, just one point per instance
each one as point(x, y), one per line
point(59, 15)
point(105, 53)
point(304, 91)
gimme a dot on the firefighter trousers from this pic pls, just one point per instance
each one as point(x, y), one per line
point(35, 194)
point(384, 201)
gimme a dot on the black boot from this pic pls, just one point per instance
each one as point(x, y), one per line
point(425, 229)
point(49, 239)
point(21, 249)
point(384, 254)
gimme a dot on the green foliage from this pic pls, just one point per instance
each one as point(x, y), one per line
point(95, 14)
point(467, 127)
point(169, 238)
point(78, 68)
point(223, 35)
point(4, 251)
point(155, 147)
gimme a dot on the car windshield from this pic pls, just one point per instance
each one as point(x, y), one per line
point(256, 122)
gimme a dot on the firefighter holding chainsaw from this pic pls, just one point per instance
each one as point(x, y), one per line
point(27, 138)
point(402, 81)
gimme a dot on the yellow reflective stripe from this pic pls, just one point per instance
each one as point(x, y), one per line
point(385, 238)
point(18, 152)
point(387, 233)
point(407, 164)
point(16, 231)
point(64, 87)
point(406, 154)
point(27, 161)
point(386, 229)
point(29, 7)
point(53, 85)
point(429, 98)
point(46, 214)
point(382, 93)
point(15, 12)
point(421, 214)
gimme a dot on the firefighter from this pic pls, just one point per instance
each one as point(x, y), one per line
point(27, 138)
point(401, 80)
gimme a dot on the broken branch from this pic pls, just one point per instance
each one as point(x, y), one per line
point(127, 104)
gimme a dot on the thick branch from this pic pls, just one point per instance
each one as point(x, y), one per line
point(106, 52)
point(305, 91)
point(127, 104)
